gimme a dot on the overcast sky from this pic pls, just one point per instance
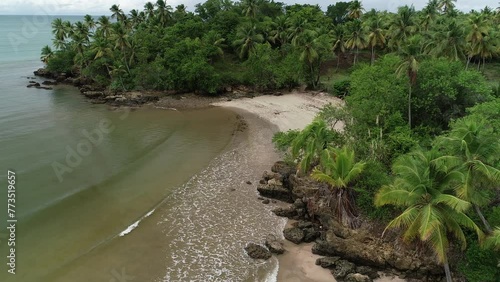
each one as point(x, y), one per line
point(99, 7)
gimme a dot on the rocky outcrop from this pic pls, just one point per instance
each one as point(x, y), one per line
point(361, 248)
point(274, 244)
point(294, 234)
point(256, 251)
point(288, 212)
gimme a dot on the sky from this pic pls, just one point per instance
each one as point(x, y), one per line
point(100, 7)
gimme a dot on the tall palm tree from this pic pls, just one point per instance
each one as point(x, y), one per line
point(250, 8)
point(104, 26)
point(449, 42)
point(376, 36)
point(411, 55)
point(117, 13)
point(355, 10)
point(280, 32)
point(338, 168)
point(487, 47)
point(430, 13)
point(339, 38)
point(163, 12)
point(89, 22)
point(310, 143)
point(247, 38)
point(356, 39)
point(446, 5)
point(149, 9)
point(310, 43)
point(431, 212)
point(121, 38)
point(473, 149)
point(402, 27)
point(60, 32)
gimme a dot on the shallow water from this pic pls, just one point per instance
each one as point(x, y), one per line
point(116, 195)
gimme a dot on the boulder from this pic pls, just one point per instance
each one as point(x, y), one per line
point(256, 251)
point(289, 212)
point(274, 191)
point(283, 168)
point(299, 204)
point(357, 277)
point(266, 201)
point(36, 84)
point(327, 262)
point(310, 234)
point(294, 234)
point(368, 271)
point(93, 94)
point(343, 268)
point(49, 82)
point(302, 224)
point(274, 244)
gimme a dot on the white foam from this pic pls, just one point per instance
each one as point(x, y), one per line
point(273, 275)
point(134, 225)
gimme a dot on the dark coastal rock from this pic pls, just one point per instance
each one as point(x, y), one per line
point(283, 168)
point(266, 201)
point(31, 81)
point(294, 234)
point(299, 204)
point(357, 277)
point(368, 271)
point(274, 244)
point(327, 262)
point(36, 84)
point(257, 251)
point(267, 176)
point(302, 224)
point(43, 87)
point(288, 212)
point(275, 191)
point(44, 73)
point(362, 249)
point(343, 268)
point(93, 94)
point(49, 82)
point(249, 182)
point(310, 234)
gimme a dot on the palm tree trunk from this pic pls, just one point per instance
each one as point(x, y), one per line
point(447, 271)
point(468, 62)
point(338, 62)
point(373, 54)
point(409, 105)
point(484, 63)
point(487, 226)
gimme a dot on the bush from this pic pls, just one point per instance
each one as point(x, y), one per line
point(374, 176)
point(283, 140)
point(340, 88)
point(62, 61)
point(480, 265)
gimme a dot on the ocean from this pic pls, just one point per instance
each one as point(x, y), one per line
point(104, 194)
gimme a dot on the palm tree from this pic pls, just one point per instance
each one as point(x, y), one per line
point(163, 12)
point(46, 54)
point(338, 168)
point(486, 48)
point(411, 54)
point(149, 9)
point(356, 39)
point(355, 10)
point(449, 42)
point(472, 149)
point(280, 32)
point(309, 44)
point(104, 26)
point(309, 144)
point(493, 240)
point(250, 8)
point(60, 33)
point(376, 36)
point(122, 43)
point(247, 39)
point(117, 13)
point(339, 38)
point(89, 22)
point(446, 5)
point(430, 13)
point(402, 27)
point(297, 25)
point(431, 213)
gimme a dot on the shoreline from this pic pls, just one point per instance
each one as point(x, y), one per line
point(290, 111)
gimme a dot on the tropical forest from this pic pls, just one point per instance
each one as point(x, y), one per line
point(419, 149)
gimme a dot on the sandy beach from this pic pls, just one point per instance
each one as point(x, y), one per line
point(290, 111)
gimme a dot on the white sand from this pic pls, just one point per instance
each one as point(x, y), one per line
point(290, 111)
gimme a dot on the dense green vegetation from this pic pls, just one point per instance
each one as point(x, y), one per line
point(266, 45)
point(422, 115)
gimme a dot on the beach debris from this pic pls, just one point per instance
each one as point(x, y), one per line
point(266, 201)
point(249, 182)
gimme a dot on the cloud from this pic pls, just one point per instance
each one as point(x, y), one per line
point(100, 7)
